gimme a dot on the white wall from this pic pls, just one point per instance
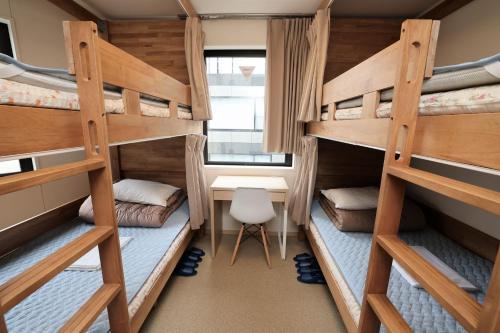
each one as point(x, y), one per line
point(470, 33)
point(39, 40)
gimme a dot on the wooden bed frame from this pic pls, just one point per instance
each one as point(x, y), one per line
point(469, 139)
point(29, 131)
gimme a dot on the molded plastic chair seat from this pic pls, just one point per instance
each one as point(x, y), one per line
point(252, 206)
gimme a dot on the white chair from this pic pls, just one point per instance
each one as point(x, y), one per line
point(252, 207)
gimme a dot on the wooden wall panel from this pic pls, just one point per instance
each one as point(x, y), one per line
point(159, 43)
point(160, 160)
point(344, 165)
point(353, 40)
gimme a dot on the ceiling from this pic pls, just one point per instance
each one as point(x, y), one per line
point(126, 9)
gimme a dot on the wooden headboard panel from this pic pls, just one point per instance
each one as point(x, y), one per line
point(160, 160)
point(344, 165)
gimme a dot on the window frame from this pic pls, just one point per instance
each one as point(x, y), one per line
point(26, 165)
point(257, 53)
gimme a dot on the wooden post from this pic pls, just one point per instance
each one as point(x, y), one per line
point(490, 314)
point(83, 39)
point(415, 40)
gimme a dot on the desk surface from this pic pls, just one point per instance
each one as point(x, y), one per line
point(233, 182)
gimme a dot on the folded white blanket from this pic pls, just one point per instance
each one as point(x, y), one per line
point(354, 198)
point(90, 261)
point(439, 265)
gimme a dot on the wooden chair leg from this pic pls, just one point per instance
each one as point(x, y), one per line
point(264, 241)
point(267, 236)
point(237, 246)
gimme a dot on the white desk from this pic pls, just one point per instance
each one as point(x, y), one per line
point(222, 189)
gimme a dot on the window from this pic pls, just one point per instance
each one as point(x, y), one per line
point(15, 166)
point(6, 41)
point(236, 81)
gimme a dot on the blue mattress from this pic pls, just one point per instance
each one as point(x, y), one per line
point(48, 308)
point(351, 251)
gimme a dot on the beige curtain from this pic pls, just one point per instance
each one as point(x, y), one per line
point(303, 188)
point(317, 35)
point(195, 180)
point(195, 61)
point(286, 58)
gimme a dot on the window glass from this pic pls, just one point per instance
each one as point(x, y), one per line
point(237, 86)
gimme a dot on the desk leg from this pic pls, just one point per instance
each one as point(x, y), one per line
point(215, 224)
point(283, 232)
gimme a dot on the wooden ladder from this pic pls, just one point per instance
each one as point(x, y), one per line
point(386, 245)
point(105, 233)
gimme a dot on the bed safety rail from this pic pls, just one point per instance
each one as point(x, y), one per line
point(112, 294)
point(386, 246)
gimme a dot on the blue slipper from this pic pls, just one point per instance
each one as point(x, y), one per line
point(196, 251)
point(311, 278)
point(307, 264)
point(185, 271)
point(309, 270)
point(188, 263)
point(190, 257)
point(303, 257)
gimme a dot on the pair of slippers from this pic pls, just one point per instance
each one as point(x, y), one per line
point(308, 269)
point(189, 262)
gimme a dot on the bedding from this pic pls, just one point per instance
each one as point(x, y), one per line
point(466, 101)
point(143, 191)
point(129, 214)
point(353, 198)
point(412, 217)
point(417, 307)
point(144, 258)
point(25, 85)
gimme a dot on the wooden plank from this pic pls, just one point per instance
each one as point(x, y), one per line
point(371, 102)
point(388, 314)
point(414, 46)
point(88, 313)
point(444, 9)
point(118, 67)
point(21, 233)
point(476, 196)
point(490, 316)
point(467, 138)
point(333, 285)
point(188, 8)
point(24, 180)
point(51, 129)
point(131, 102)
point(85, 44)
point(149, 301)
point(325, 4)
point(431, 55)
point(454, 299)
point(376, 73)
point(21, 286)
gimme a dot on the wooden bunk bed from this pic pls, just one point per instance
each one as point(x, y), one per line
point(471, 139)
point(28, 131)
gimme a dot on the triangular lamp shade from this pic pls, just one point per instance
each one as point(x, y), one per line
point(247, 71)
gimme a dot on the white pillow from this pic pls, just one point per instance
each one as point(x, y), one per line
point(143, 192)
point(354, 198)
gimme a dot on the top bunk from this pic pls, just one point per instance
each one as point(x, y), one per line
point(40, 107)
point(459, 109)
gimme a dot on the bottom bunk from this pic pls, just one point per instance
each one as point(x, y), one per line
point(344, 256)
point(149, 258)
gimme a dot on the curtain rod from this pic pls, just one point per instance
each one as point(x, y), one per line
point(237, 16)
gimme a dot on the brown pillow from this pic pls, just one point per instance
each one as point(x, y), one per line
point(412, 217)
point(130, 214)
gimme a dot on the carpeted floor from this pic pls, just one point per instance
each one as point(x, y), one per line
point(246, 297)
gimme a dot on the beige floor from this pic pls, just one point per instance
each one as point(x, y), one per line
point(247, 297)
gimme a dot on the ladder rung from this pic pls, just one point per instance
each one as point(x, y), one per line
point(88, 313)
point(389, 316)
point(453, 298)
point(21, 286)
point(32, 178)
point(473, 195)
